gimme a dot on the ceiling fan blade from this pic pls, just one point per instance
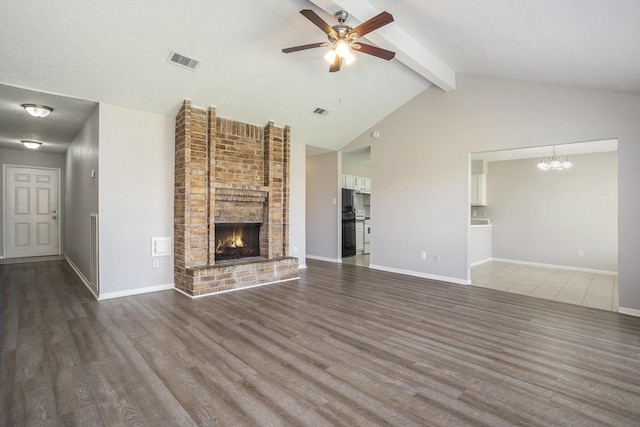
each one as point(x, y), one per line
point(373, 50)
point(304, 47)
point(319, 22)
point(372, 24)
point(335, 66)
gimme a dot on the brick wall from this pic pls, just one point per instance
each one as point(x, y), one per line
point(229, 172)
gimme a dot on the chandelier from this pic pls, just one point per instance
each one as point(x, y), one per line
point(554, 162)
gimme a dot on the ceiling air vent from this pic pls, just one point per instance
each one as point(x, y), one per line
point(183, 61)
point(320, 111)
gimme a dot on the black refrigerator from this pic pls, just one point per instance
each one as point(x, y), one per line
point(348, 223)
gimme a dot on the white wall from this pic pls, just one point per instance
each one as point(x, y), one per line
point(545, 217)
point(297, 242)
point(136, 198)
point(421, 171)
point(323, 219)
point(358, 165)
point(81, 198)
point(28, 158)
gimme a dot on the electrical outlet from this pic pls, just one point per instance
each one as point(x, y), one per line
point(423, 255)
point(154, 263)
point(580, 252)
point(436, 258)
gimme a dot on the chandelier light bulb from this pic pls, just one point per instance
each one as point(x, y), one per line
point(554, 162)
point(543, 165)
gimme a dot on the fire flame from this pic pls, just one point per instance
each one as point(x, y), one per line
point(233, 241)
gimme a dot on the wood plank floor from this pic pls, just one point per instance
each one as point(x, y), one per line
point(344, 345)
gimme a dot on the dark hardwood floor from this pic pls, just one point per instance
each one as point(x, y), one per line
point(344, 345)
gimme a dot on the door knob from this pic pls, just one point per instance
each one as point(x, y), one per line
point(55, 217)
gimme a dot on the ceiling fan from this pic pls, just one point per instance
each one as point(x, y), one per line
point(343, 38)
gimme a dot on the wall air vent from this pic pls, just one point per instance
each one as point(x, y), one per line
point(183, 61)
point(320, 111)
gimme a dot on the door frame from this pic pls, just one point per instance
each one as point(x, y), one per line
point(5, 191)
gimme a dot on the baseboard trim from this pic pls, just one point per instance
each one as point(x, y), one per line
point(484, 261)
point(559, 267)
point(234, 290)
point(629, 311)
point(137, 291)
point(421, 275)
point(81, 276)
point(321, 258)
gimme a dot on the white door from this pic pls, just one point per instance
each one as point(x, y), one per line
point(32, 216)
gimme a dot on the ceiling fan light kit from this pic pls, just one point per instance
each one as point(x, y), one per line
point(342, 37)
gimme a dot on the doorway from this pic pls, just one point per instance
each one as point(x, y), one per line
point(549, 233)
point(32, 221)
point(356, 219)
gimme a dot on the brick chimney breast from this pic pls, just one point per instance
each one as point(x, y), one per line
point(229, 172)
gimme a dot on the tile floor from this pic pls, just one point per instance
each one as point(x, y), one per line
point(568, 286)
point(362, 259)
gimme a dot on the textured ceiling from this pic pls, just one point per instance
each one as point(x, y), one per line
point(116, 52)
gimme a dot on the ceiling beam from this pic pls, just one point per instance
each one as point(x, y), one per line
point(408, 50)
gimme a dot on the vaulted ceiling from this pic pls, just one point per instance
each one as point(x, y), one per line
point(116, 52)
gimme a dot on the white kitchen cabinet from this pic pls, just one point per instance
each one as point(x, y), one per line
point(361, 184)
point(358, 182)
point(479, 189)
point(348, 181)
point(359, 237)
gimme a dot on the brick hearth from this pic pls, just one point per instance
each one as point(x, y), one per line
point(229, 172)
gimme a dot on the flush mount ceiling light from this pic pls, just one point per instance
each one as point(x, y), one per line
point(31, 144)
point(37, 110)
point(554, 163)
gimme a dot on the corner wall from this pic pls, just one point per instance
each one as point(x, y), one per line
point(323, 206)
point(81, 193)
point(135, 199)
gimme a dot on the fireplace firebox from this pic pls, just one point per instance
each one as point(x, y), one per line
point(235, 241)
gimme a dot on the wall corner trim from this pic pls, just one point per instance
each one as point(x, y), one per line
point(81, 276)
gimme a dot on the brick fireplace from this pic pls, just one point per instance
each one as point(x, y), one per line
point(231, 178)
